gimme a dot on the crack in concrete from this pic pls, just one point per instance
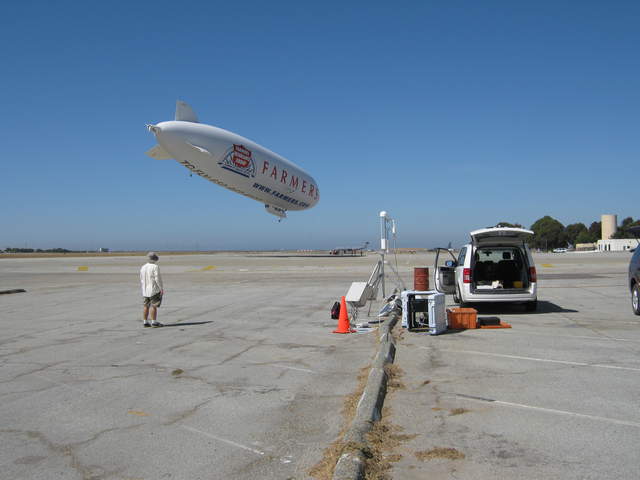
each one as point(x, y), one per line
point(23, 350)
point(187, 413)
point(35, 390)
point(31, 372)
point(242, 352)
point(88, 472)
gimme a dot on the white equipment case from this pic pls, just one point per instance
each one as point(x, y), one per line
point(435, 309)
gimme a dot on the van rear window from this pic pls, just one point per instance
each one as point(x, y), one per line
point(498, 254)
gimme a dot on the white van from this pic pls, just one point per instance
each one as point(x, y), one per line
point(496, 266)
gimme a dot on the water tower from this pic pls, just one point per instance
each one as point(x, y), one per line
point(609, 226)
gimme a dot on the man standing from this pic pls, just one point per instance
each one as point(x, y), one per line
point(152, 290)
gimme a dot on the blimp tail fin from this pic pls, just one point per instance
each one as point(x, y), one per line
point(185, 113)
point(158, 153)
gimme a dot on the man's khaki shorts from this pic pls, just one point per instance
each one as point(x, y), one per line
point(155, 300)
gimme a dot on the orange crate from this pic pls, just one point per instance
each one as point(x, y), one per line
point(461, 318)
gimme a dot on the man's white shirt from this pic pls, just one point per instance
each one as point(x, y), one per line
point(150, 279)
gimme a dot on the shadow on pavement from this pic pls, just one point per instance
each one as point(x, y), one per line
point(544, 306)
point(550, 307)
point(186, 324)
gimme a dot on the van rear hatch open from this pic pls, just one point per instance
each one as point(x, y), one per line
point(500, 236)
point(500, 264)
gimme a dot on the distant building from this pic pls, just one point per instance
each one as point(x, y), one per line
point(617, 244)
point(103, 250)
point(609, 228)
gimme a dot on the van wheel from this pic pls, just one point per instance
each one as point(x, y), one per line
point(635, 299)
point(533, 306)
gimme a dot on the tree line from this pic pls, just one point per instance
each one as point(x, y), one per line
point(550, 233)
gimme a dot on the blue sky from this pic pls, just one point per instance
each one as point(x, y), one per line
point(449, 115)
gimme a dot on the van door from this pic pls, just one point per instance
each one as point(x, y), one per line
point(445, 274)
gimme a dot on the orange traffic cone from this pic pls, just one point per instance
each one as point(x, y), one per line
point(343, 319)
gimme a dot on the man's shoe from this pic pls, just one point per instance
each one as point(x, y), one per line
point(156, 324)
point(145, 324)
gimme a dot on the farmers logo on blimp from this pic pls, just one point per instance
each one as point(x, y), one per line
point(238, 159)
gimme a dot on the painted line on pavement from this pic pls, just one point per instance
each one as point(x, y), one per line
point(591, 337)
point(534, 359)
point(223, 440)
point(547, 410)
point(294, 368)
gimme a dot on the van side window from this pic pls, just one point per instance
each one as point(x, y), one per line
point(462, 255)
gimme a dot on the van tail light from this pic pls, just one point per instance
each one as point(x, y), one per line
point(533, 276)
point(466, 275)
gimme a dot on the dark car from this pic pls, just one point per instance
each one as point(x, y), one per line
point(634, 275)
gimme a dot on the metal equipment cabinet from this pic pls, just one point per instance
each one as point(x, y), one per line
point(430, 302)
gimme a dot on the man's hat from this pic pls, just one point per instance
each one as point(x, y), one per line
point(152, 256)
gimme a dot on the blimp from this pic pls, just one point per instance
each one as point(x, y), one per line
point(234, 162)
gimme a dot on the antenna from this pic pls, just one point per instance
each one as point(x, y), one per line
point(387, 223)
